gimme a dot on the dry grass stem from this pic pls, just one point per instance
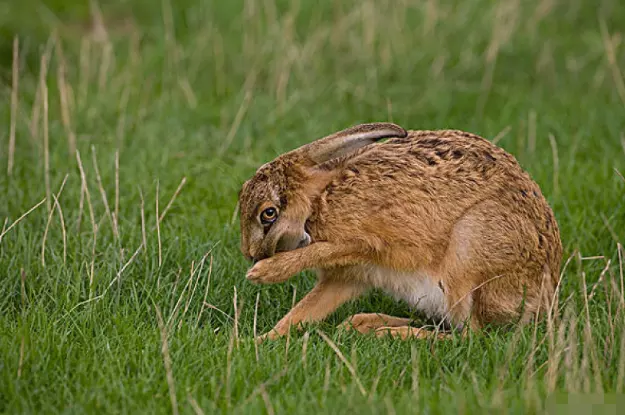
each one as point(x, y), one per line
point(212, 307)
point(288, 333)
point(188, 93)
point(46, 135)
point(116, 214)
point(158, 230)
point(265, 396)
point(4, 226)
point(247, 98)
point(235, 213)
point(81, 205)
point(18, 220)
point(105, 65)
point(103, 194)
point(14, 95)
point(501, 134)
point(268, 382)
point(85, 71)
point(94, 226)
point(123, 106)
point(531, 134)
point(599, 280)
point(208, 281)
point(465, 296)
point(415, 370)
point(620, 378)
point(236, 317)
point(45, 232)
point(619, 174)
point(170, 39)
point(556, 164)
point(43, 73)
point(123, 268)
point(20, 363)
point(195, 405)
point(23, 287)
point(345, 362)
point(173, 198)
point(610, 52)
point(174, 313)
point(167, 361)
point(305, 340)
point(198, 272)
point(64, 97)
point(57, 205)
point(622, 280)
point(254, 326)
point(229, 369)
point(144, 238)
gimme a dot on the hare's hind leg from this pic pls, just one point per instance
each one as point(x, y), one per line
point(368, 322)
point(494, 267)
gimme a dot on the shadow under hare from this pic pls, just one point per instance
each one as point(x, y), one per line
point(444, 220)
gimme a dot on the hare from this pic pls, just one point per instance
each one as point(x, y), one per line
point(444, 220)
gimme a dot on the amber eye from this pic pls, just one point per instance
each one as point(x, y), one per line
point(268, 216)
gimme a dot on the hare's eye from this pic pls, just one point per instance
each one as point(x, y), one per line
point(268, 216)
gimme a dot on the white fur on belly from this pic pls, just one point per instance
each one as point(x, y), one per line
point(418, 289)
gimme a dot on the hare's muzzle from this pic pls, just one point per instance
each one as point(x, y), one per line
point(305, 241)
point(289, 242)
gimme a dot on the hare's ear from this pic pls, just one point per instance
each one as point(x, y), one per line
point(344, 142)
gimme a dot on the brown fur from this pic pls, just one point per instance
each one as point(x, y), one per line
point(426, 210)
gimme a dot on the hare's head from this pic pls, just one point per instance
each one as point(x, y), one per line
point(276, 202)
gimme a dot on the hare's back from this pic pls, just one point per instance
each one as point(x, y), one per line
point(452, 154)
point(432, 176)
point(448, 163)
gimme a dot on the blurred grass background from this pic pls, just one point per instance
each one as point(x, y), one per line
point(181, 101)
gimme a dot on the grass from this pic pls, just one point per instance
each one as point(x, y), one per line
point(125, 292)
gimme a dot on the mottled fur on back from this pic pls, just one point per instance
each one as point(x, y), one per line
point(439, 210)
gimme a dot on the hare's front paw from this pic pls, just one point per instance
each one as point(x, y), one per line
point(268, 271)
point(270, 335)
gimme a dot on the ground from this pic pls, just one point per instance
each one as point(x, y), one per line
point(172, 105)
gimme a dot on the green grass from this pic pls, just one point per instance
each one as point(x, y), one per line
point(208, 91)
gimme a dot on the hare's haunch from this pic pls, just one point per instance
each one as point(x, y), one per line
point(444, 219)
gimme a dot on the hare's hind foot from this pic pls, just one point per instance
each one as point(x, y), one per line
point(368, 322)
point(408, 332)
point(398, 327)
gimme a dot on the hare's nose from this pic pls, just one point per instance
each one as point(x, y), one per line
point(305, 241)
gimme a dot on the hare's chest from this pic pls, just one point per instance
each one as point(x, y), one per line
point(418, 289)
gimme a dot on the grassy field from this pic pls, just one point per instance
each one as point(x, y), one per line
point(134, 124)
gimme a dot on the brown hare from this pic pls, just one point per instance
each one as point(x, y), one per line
point(444, 220)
